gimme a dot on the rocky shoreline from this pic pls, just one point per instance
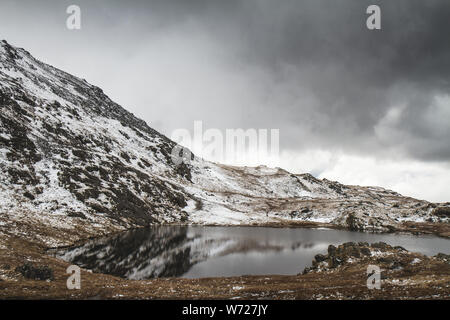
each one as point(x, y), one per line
point(383, 254)
point(28, 272)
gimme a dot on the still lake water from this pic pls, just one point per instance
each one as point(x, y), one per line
point(197, 251)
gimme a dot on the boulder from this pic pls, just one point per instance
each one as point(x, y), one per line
point(441, 212)
point(35, 273)
point(444, 257)
point(331, 249)
point(381, 245)
point(320, 257)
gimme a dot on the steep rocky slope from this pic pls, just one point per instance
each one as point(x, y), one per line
point(75, 164)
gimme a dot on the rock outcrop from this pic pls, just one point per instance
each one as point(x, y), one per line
point(381, 254)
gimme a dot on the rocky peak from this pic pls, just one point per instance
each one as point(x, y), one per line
point(68, 149)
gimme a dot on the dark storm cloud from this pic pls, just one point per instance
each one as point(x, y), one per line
point(311, 67)
point(355, 75)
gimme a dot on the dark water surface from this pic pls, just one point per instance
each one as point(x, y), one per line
point(196, 251)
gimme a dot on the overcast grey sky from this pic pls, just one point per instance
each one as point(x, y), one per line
point(354, 105)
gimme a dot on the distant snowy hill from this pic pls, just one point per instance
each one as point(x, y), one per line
point(74, 161)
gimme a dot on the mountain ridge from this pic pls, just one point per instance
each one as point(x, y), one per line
point(79, 164)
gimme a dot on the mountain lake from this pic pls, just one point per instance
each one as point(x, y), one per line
point(220, 251)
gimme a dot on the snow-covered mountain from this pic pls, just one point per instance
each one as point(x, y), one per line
point(74, 161)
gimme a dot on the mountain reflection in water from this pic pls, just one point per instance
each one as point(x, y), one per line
point(194, 251)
